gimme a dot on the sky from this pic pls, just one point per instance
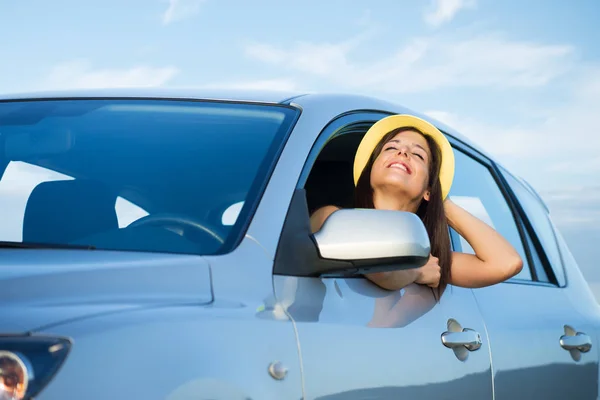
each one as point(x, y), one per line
point(521, 79)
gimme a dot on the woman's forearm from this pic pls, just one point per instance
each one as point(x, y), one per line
point(499, 257)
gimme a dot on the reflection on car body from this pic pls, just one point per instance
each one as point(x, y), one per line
point(162, 236)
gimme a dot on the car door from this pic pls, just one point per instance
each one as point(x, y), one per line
point(359, 341)
point(529, 318)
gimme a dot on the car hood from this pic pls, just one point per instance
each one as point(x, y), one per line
point(44, 287)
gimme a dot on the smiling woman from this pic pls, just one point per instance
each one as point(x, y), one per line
point(87, 161)
point(404, 163)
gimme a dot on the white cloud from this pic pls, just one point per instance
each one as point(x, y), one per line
point(424, 64)
point(80, 74)
point(589, 166)
point(574, 206)
point(557, 155)
point(181, 9)
point(546, 143)
point(582, 195)
point(265, 84)
point(443, 11)
point(561, 142)
point(318, 59)
point(500, 141)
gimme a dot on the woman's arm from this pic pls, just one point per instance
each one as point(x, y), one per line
point(318, 218)
point(429, 274)
point(495, 259)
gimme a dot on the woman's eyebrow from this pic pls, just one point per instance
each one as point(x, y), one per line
point(414, 144)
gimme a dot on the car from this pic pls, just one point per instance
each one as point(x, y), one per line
point(155, 244)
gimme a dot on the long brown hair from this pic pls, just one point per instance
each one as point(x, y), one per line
point(431, 212)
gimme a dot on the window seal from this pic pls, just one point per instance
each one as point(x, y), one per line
point(537, 243)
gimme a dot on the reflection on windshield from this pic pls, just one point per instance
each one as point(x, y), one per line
point(16, 185)
point(127, 212)
point(231, 214)
point(82, 172)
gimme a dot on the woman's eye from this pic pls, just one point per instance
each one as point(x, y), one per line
point(420, 156)
point(390, 148)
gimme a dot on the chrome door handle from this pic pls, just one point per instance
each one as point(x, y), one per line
point(467, 338)
point(573, 340)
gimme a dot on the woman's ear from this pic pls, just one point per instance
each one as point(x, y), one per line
point(427, 196)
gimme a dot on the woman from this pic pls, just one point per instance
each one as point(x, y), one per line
point(404, 163)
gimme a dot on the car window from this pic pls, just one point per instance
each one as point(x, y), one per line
point(134, 174)
point(475, 189)
point(540, 220)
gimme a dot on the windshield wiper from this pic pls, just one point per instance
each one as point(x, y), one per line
point(29, 245)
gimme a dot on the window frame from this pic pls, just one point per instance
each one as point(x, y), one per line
point(522, 222)
point(527, 234)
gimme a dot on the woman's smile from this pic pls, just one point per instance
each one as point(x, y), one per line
point(402, 166)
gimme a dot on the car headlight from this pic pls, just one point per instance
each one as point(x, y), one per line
point(28, 363)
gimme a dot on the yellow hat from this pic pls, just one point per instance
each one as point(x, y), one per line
point(388, 124)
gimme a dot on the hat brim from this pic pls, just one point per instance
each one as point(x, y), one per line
point(388, 124)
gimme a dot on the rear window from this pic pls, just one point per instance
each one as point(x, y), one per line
point(139, 175)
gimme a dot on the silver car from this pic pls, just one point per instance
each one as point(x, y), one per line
point(155, 244)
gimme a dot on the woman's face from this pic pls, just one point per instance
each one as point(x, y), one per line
point(403, 165)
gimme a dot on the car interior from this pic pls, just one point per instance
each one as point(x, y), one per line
point(331, 181)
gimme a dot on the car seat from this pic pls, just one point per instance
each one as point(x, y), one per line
point(64, 211)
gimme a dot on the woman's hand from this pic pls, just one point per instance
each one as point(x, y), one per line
point(430, 273)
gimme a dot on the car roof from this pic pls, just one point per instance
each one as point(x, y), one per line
point(261, 96)
point(246, 95)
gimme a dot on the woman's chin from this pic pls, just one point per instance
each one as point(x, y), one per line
point(395, 182)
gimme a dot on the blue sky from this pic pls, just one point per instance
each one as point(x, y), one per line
point(520, 79)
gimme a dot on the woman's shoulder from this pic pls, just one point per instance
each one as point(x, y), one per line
point(317, 219)
point(327, 209)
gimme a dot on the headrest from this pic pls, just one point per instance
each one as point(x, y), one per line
point(65, 211)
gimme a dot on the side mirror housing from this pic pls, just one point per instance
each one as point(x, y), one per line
point(351, 242)
point(374, 240)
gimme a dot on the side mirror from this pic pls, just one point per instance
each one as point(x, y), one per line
point(374, 240)
point(350, 242)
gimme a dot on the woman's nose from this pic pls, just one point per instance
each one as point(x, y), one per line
point(403, 150)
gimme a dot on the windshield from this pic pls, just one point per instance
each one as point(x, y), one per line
point(139, 175)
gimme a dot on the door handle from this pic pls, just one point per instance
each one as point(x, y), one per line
point(573, 340)
point(468, 338)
